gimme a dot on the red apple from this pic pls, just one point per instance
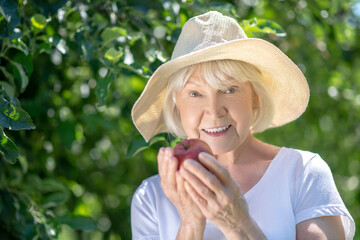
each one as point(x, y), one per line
point(190, 149)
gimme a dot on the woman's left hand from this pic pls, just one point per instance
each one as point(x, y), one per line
point(218, 196)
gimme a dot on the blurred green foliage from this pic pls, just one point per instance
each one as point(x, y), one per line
point(74, 69)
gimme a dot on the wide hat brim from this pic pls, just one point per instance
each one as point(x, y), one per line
point(287, 84)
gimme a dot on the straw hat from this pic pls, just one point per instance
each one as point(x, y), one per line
point(213, 36)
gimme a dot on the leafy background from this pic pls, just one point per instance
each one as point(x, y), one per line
point(70, 72)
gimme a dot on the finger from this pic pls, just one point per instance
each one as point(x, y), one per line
point(198, 199)
point(167, 167)
point(208, 179)
point(224, 192)
point(169, 152)
point(208, 188)
point(160, 160)
point(180, 186)
point(215, 167)
point(170, 174)
point(163, 158)
point(209, 210)
point(196, 183)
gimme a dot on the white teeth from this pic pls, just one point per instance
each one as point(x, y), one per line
point(215, 130)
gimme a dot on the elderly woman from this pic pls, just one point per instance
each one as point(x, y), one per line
point(222, 87)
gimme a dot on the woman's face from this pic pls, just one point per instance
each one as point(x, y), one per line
point(222, 118)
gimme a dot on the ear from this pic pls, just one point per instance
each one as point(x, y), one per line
point(255, 100)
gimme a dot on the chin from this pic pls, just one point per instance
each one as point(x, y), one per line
point(218, 149)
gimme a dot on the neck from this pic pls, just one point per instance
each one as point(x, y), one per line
point(250, 151)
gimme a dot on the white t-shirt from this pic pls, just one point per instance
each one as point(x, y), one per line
point(297, 186)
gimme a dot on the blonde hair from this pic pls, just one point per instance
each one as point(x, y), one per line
point(218, 74)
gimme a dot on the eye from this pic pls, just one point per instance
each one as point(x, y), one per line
point(194, 94)
point(230, 90)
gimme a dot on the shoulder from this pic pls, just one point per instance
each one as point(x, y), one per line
point(303, 160)
point(149, 189)
point(298, 155)
point(149, 184)
point(153, 181)
point(303, 167)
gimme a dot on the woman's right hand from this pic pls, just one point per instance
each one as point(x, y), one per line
point(172, 184)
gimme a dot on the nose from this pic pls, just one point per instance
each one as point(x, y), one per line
point(215, 108)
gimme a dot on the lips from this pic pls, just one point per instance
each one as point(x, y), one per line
point(217, 129)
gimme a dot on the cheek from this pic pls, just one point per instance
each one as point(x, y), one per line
point(190, 119)
point(242, 111)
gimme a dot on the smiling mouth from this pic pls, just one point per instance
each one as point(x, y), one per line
point(216, 130)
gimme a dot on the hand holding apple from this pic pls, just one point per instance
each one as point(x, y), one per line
point(173, 187)
point(190, 149)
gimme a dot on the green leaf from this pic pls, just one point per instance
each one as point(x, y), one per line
point(15, 35)
point(12, 116)
point(17, 43)
point(55, 199)
point(9, 9)
point(257, 27)
point(103, 89)
point(139, 144)
point(8, 148)
point(22, 76)
point(38, 21)
point(49, 185)
point(114, 55)
point(10, 89)
point(272, 27)
point(26, 62)
point(78, 222)
point(44, 47)
point(110, 34)
point(9, 77)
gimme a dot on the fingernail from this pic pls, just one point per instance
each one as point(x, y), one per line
point(186, 163)
point(162, 150)
point(182, 170)
point(204, 154)
point(168, 151)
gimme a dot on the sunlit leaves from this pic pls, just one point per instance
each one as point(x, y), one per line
point(113, 55)
point(113, 33)
point(257, 27)
point(12, 116)
point(38, 21)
